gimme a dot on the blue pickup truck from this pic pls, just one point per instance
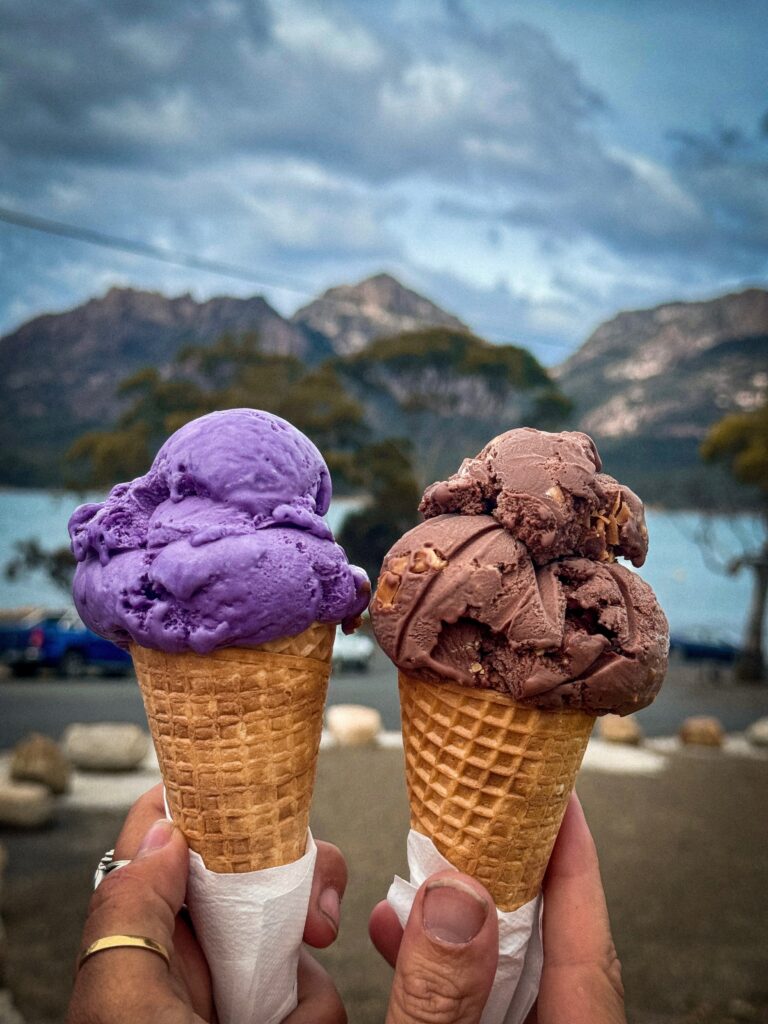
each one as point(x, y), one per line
point(36, 638)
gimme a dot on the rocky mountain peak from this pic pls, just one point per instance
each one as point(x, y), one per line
point(351, 316)
point(648, 385)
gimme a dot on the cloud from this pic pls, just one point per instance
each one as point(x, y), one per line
point(113, 83)
point(329, 139)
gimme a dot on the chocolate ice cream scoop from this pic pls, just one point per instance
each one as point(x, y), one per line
point(459, 598)
point(548, 491)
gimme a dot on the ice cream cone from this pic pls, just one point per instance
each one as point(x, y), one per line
point(489, 780)
point(237, 733)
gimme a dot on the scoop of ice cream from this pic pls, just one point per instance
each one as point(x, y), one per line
point(460, 598)
point(547, 489)
point(222, 543)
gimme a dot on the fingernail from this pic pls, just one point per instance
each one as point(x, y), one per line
point(452, 911)
point(158, 836)
point(330, 907)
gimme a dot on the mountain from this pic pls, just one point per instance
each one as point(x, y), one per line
point(648, 384)
point(59, 372)
point(350, 316)
point(448, 392)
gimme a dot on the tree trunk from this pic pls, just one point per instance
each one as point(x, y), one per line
point(750, 665)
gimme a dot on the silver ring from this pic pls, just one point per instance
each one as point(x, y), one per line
point(107, 864)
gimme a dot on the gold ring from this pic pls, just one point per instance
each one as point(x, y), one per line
point(124, 942)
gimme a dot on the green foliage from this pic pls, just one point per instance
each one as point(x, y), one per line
point(552, 408)
point(232, 373)
point(740, 442)
point(58, 564)
point(385, 471)
point(454, 351)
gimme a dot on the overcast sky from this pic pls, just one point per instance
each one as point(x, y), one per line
point(531, 165)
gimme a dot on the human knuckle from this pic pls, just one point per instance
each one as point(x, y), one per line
point(431, 995)
point(122, 892)
point(332, 1011)
point(613, 972)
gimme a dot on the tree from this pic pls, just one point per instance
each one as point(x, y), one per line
point(740, 442)
point(57, 564)
point(234, 372)
point(386, 472)
point(231, 373)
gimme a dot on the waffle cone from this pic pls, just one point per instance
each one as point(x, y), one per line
point(489, 780)
point(237, 733)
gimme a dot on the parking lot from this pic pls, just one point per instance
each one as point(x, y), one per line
point(48, 703)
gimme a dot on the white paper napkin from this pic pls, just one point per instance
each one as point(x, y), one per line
point(520, 948)
point(250, 927)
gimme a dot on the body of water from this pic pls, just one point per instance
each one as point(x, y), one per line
point(691, 590)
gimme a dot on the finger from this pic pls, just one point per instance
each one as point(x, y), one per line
point(386, 931)
point(573, 894)
point(328, 885)
point(140, 899)
point(448, 954)
point(580, 961)
point(319, 1002)
point(147, 809)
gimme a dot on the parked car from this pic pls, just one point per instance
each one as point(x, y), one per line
point(703, 644)
point(40, 638)
point(353, 652)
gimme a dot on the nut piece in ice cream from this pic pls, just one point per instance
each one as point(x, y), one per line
point(548, 491)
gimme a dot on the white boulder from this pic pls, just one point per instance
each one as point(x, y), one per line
point(757, 733)
point(38, 758)
point(106, 746)
point(616, 729)
point(25, 804)
point(353, 725)
point(703, 731)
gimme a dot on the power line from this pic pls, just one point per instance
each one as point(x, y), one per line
point(154, 252)
point(178, 259)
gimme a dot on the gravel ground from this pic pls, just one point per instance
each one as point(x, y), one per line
point(682, 846)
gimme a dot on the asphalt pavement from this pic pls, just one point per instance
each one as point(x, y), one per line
point(682, 849)
point(48, 703)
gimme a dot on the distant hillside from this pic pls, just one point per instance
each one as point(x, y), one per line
point(350, 316)
point(448, 392)
point(58, 372)
point(648, 384)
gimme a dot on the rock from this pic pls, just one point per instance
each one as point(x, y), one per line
point(616, 729)
point(702, 730)
point(353, 725)
point(25, 804)
point(740, 1009)
point(39, 759)
point(757, 733)
point(8, 1012)
point(106, 746)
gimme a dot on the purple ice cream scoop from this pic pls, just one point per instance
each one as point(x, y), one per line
point(221, 544)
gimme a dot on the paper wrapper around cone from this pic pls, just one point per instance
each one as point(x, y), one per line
point(489, 780)
point(237, 733)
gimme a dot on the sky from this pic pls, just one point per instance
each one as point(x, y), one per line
point(534, 166)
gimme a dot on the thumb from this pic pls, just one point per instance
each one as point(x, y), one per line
point(448, 955)
point(142, 898)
